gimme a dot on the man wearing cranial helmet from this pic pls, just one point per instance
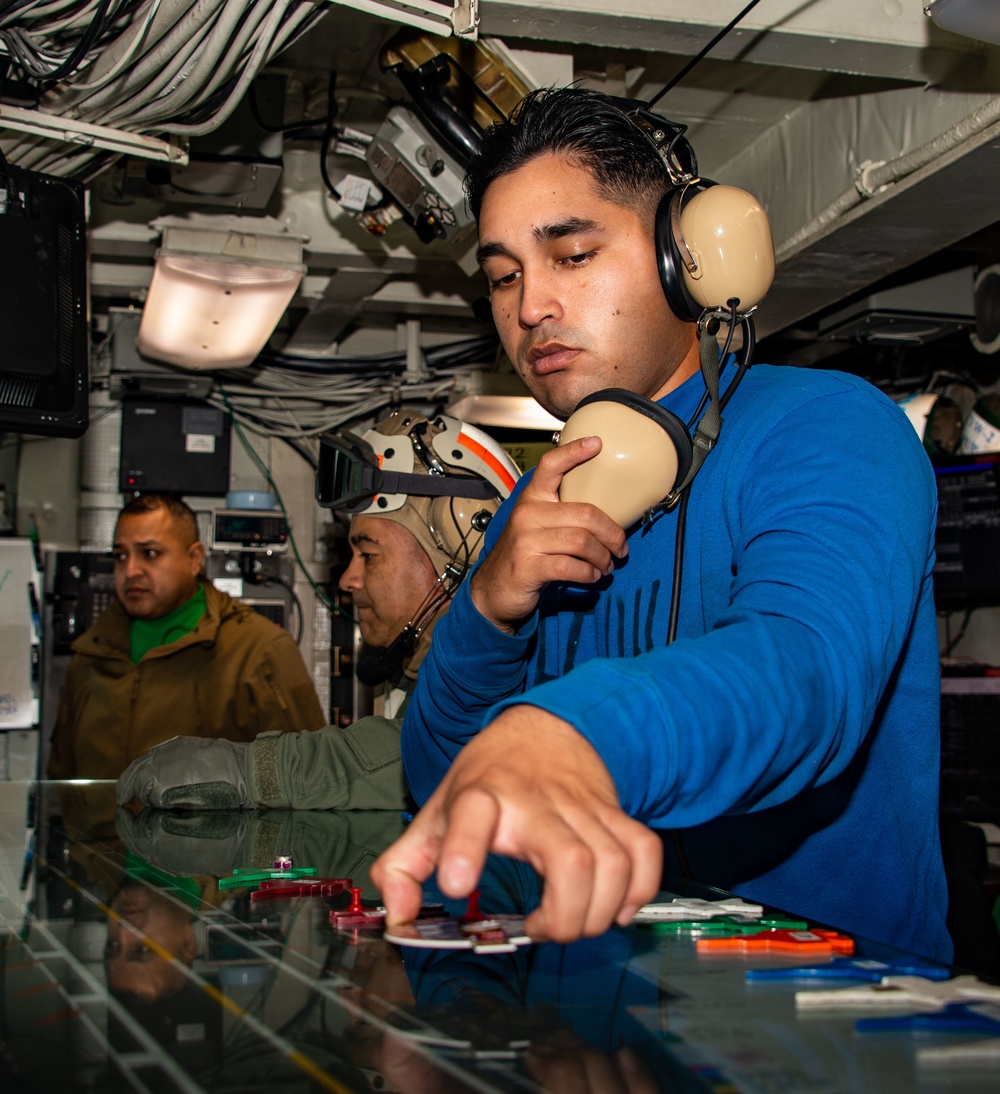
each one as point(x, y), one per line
point(420, 493)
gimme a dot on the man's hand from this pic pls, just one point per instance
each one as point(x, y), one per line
point(530, 787)
point(189, 773)
point(546, 540)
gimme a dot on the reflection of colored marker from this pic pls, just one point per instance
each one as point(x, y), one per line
point(36, 611)
point(853, 968)
point(956, 1018)
point(29, 858)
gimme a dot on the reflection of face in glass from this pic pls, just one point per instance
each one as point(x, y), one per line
point(133, 967)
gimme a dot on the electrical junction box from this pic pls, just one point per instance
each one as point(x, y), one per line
point(424, 178)
point(175, 447)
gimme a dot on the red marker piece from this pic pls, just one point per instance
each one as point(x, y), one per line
point(813, 941)
point(472, 912)
point(356, 914)
point(279, 888)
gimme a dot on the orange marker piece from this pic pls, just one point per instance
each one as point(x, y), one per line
point(812, 941)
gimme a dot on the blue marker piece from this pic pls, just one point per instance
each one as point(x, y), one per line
point(955, 1018)
point(853, 968)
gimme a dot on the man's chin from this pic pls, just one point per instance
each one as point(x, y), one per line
point(140, 608)
point(561, 394)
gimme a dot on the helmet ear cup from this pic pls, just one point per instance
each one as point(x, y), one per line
point(457, 525)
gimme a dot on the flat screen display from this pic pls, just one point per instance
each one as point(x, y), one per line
point(44, 367)
point(967, 569)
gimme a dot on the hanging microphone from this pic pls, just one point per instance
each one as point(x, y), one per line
point(377, 664)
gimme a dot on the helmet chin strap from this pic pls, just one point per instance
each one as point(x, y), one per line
point(377, 664)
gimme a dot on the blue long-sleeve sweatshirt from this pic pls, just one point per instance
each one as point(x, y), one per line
point(791, 731)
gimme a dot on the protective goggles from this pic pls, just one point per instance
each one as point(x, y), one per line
point(353, 477)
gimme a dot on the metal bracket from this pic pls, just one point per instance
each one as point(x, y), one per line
point(72, 131)
point(465, 19)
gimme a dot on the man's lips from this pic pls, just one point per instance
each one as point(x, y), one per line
point(550, 357)
point(136, 590)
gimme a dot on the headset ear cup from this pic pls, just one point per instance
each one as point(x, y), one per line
point(646, 453)
point(668, 255)
point(678, 433)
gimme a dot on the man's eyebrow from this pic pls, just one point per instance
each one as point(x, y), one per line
point(362, 537)
point(118, 545)
point(570, 227)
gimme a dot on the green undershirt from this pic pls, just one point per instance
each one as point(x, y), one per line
point(147, 634)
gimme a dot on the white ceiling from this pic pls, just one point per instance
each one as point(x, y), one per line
point(808, 104)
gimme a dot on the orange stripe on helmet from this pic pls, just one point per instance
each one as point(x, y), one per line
point(489, 458)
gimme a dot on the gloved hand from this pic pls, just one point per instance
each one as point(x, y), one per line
point(189, 773)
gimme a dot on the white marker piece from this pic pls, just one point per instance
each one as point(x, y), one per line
point(684, 908)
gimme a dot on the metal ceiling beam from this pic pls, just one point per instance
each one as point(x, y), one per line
point(893, 41)
point(920, 216)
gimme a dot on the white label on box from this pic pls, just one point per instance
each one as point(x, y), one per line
point(231, 585)
point(199, 442)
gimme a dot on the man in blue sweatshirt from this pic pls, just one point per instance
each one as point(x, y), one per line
point(789, 732)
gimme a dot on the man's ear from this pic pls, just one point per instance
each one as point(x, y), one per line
point(189, 945)
point(196, 552)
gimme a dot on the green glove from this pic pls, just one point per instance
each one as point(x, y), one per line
point(189, 773)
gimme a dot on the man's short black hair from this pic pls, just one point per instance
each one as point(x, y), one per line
point(180, 511)
point(586, 126)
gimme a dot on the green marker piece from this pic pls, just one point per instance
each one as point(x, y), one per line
point(243, 878)
point(725, 926)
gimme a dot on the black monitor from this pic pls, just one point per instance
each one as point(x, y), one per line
point(967, 569)
point(44, 375)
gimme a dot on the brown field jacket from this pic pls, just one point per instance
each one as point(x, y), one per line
point(235, 675)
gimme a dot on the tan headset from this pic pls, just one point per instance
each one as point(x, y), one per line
point(713, 242)
point(715, 258)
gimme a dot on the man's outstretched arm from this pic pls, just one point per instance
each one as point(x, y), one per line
point(531, 787)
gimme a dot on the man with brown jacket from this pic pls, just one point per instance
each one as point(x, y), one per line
point(172, 655)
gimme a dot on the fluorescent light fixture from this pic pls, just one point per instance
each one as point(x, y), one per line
point(973, 18)
point(504, 412)
point(217, 295)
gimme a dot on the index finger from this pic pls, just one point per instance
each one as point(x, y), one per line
point(400, 871)
point(556, 462)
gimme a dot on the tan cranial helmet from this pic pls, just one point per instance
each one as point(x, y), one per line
point(450, 525)
point(439, 477)
point(442, 480)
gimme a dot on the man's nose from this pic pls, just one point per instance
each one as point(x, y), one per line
point(351, 579)
point(539, 298)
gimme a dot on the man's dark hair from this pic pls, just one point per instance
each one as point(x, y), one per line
point(588, 127)
point(180, 511)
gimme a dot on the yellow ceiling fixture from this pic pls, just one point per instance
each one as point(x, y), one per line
point(217, 294)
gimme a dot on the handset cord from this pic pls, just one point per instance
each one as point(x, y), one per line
point(749, 341)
